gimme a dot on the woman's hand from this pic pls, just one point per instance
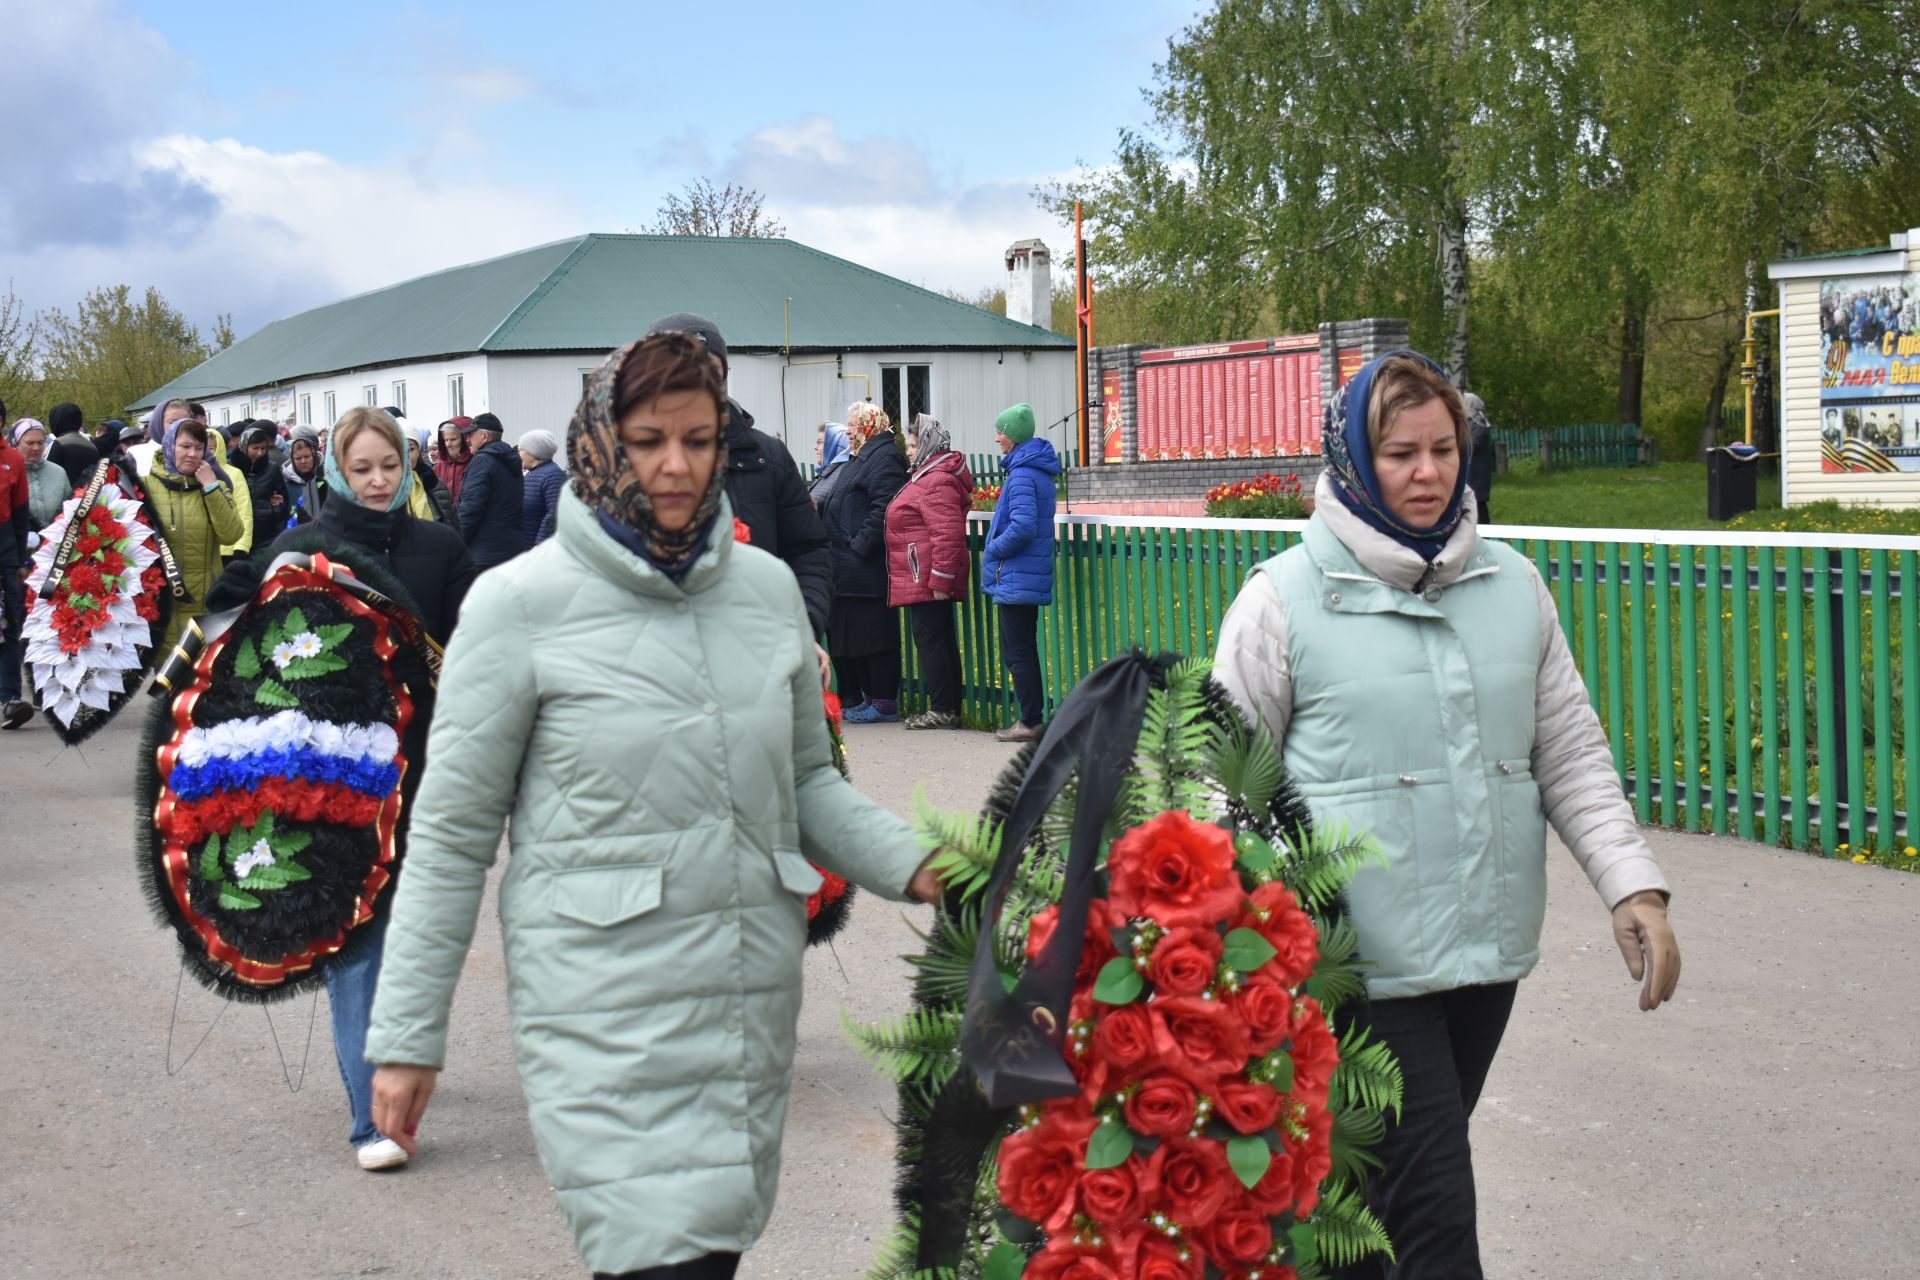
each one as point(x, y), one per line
point(826, 666)
point(925, 885)
point(205, 475)
point(1646, 940)
point(400, 1096)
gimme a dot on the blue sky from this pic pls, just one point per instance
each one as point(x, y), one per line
point(259, 159)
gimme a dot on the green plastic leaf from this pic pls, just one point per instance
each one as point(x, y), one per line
point(1014, 1227)
point(1280, 1072)
point(295, 872)
point(246, 660)
point(293, 842)
point(210, 861)
point(263, 829)
point(1306, 1248)
point(1256, 855)
point(271, 637)
point(1008, 981)
point(335, 633)
point(237, 899)
point(274, 694)
point(296, 621)
point(1246, 950)
point(1250, 1157)
point(1110, 1146)
point(1119, 983)
point(264, 878)
point(1006, 1262)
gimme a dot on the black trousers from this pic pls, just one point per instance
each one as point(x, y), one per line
point(1020, 650)
point(938, 644)
point(714, 1266)
point(1424, 1196)
point(875, 676)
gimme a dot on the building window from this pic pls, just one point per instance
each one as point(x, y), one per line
point(906, 390)
point(370, 396)
point(226, 417)
point(456, 395)
point(326, 403)
point(400, 397)
point(306, 411)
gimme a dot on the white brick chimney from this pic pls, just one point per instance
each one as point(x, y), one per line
point(1030, 283)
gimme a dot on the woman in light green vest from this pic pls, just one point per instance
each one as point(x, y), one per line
point(1418, 682)
point(640, 694)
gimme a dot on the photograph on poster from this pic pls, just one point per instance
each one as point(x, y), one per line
point(1870, 374)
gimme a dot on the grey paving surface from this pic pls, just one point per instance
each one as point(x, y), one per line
point(1762, 1126)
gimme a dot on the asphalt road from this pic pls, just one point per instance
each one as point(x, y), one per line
point(1764, 1125)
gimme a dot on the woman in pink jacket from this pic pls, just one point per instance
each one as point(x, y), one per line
point(927, 562)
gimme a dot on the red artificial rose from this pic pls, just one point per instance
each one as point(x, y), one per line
point(741, 533)
point(1122, 1047)
point(1200, 1039)
point(1192, 1180)
point(1273, 1194)
point(1175, 871)
point(1063, 1260)
point(1276, 916)
point(1315, 1052)
point(1040, 1167)
point(1094, 952)
point(831, 701)
point(1162, 1107)
point(1238, 1235)
point(1312, 1162)
point(1115, 1198)
point(1158, 1258)
point(1266, 1010)
point(1184, 961)
point(1246, 1107)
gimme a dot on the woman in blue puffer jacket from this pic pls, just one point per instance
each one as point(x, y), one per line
point(540, 496)
point(1017, 567)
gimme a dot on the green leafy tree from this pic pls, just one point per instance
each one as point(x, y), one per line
point(19, 334)
point(115, 349)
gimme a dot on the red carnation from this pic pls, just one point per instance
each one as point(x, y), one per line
point(98, 516)
point(1201, 1039)
point(1238, 1235)
point(1184, 961)
point(1274, 1193)
point(1312, 1162)
point(1063, 1260)
point(1276, 916)
point(1176, 871)
point(1162, 1107)
point(1266, 1010)
point(1315, 1052)
point(831, 701)
point(1158, 1258)
point(88, 545)
point(1039, 1167)
point(147, 607)
point(113, 563)
point(1191, 1180)
point(1247, 1107)
point(1115, 1198)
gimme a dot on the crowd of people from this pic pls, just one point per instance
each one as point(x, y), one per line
point(669, 780)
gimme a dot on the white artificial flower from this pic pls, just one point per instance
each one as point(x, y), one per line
point(261, 855)
point(305, 645)
point(283, 654)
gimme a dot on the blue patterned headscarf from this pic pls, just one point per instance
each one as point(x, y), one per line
point(1349, 458)
point(337, 486)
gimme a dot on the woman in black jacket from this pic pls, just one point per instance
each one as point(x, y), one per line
point(368, 487)
point(266, 487)
point(863, 634)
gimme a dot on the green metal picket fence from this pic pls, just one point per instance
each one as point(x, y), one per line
point(1762, 685)
point(1582, 444)
point(985, 466)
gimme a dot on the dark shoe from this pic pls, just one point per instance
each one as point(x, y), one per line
point(1018, 733)
point(933, 720)
point(16, 714)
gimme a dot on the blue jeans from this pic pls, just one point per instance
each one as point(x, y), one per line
point(1020, 651)
point(350, 999)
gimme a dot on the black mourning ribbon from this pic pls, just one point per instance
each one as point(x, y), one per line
point(1013, 1042)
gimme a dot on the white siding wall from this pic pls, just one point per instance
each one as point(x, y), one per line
point(1802, 481)
point(427, 392)
point(969, 389)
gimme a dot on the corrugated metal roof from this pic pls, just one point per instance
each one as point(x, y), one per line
point(597, 291)
point(1842, 253)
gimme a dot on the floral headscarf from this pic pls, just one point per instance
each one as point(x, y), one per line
point(865, 421)
point(173, 431)
point(1349, 458)
point(20, 428)
point(604, 479)
point(337, 485)
point(930, 440)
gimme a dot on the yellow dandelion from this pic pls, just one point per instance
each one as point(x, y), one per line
point(1859, 857)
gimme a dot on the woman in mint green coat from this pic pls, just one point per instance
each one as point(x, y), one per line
point(640, 694)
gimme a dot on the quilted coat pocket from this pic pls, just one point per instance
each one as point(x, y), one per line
point(796, 873)
point(606, 896)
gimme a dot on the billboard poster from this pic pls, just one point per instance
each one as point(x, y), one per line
point(1112, 444)
point(1870, 374)
point(1352, 360)
point(276, 405)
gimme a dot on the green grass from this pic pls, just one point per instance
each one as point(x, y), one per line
point(1669, 495)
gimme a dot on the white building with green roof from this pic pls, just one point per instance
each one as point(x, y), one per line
point(808, 333)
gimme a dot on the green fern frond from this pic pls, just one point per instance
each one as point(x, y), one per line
point(1316, 866)
point(1175, 738)
point(945, 963)
point(1368, 1077)
point(968, 845)
point(1346, 1229)
point(1336, 978)
point(900, 1251)
point(920, 1045)
point(1355, 1134)
point(1246, 765)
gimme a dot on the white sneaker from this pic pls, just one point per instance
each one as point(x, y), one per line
point(383, 1154)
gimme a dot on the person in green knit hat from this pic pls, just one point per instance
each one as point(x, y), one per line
point(1016, 569)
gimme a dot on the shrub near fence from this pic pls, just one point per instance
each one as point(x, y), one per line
point(1760, 685)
